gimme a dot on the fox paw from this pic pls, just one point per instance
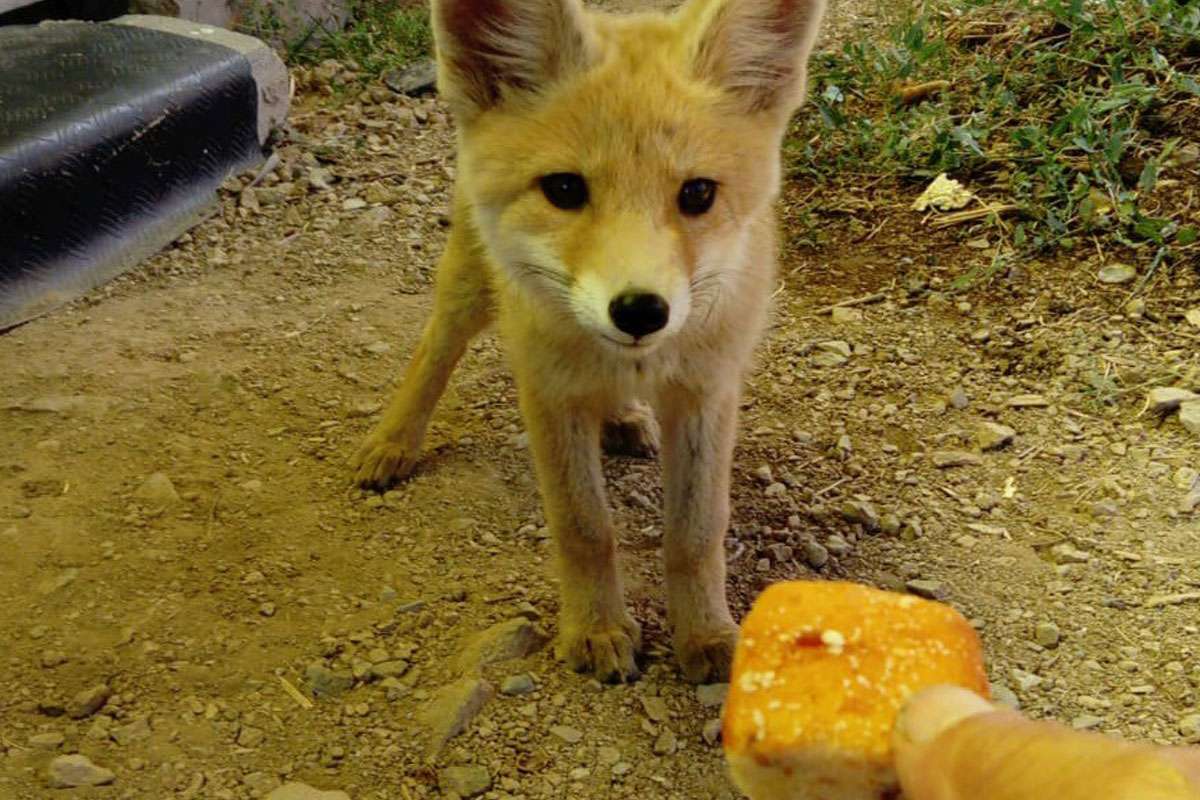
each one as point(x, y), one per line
point(634, 434)
point(607, 651)
point(706, 656)
point(381, 462)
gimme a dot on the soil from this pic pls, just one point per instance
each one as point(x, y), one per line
point(176, 520)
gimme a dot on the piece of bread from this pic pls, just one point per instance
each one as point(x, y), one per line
point(821, 670)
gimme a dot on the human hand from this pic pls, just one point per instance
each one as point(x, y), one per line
point(950, 744)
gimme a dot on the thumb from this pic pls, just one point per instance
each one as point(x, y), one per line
point(950, 744)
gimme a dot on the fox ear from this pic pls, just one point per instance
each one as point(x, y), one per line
point(756, 50)
point(488, 49)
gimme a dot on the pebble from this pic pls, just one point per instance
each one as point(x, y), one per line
point(453, 708)
point(324, 682)
point(89, 701)
point(837, 545)
point(1165, 399)
point(655, 708)
point(567, 734)
point(1025, 680)
point(1085, 722)
point(157, 490)
point(944, 459)
point(665, 744)
point(816, 555)
point(1047, 634)
point(1028, 401)
point(1116, 273)
point(512, 639)
point(302, 791)
point(889, 524)
point(712, 695)
point(517, 685)
point(993, 435)
point(842, 315)
point(51, 740)
point(1067, 553)
point(932, 590)
point(467, 781)
point(958, 398)
point(861, 512)
point(1005, 696)
point(68, 772)
point(1189, 726)
point(1189, 416)
point(712, 732)
point(764, 475)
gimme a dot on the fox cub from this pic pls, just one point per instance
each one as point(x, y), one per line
point(614, 215)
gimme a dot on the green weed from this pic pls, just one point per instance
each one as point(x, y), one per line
point(382, 35)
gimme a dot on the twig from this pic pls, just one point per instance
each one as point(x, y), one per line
point(830, 487)
point(295, 693)
point(866, 299)
point(970, 215)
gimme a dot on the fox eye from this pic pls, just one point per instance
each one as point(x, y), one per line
point(696, 196)
point(565, 190)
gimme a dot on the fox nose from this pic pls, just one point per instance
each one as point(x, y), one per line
point(639, 313)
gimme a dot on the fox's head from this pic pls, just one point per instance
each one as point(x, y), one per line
point(620, 166)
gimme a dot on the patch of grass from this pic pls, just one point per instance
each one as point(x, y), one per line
point(1083, 114)
point(381, 36)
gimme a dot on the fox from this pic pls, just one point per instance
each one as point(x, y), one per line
point(613, 215)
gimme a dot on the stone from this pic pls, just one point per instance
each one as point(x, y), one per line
point(993, 436)
point(515, 638)
point(1067, 553)
point(467, 781)
point(1005, 696)
point(1189, 416)
point(567, 734)
point(958, 398)
point(69, 772)
point(712, 695)
point(1047, 634)
point(1085, 722)
point(1189, 726)
point(452, 709)
point(51, 740)
point(932, 590)
point(250, 736)
point(158, 491)
point(665, 744)
point(1116, 273)
point(1165, 399)
point(781, 553)
point(1028, 401)
point(325, 682)
point(302, 791)
point(655, 708)
point(135, 731)
point(388, 669)
point(712, 732)
point(1025, 680)
point(861, 512)
point(816, 555)
point(945, 459)
point(517, 685)
point(412, 79)
point(88, 701)
point(843, 316)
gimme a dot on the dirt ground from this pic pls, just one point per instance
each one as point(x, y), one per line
point(176, 521)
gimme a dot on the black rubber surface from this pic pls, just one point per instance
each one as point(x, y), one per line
point(112, 139)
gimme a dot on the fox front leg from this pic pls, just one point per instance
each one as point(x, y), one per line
point(596, 633)
point(697, 450)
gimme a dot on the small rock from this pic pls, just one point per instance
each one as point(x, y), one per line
point(712, 695)
point(353, 204)
point(782, 553)
point(958, 398)
point(1116, 273)
point(665, 744)
point(837, 545)
point(158, 491)
point(302, 791)
point(1135, 308)
point(47, 741)
point(1085, 722)
point(467, 781)
point(1186, 478)
point(655, 708)
point(712, 732)
point(842, 315)
point(815, 554)
point(68, 772)
point(516, 638)
point(567, 734)
point(412, 79)
point(1165, 399)
point(862, 512)
point(1067, 553)
point(89, 701)
point(517, 685)
point(889, 524)
point(993, 436)
point(1189, 416)
point(1104, 509)
point(324, 682)
point(932, 590)
point(135, 731)
point(250, 736)
point(393, 668)
point(1025, 680)
point(453, 708)
point(1005, 696)
point(944, 459)
point(1189, 726)
point(1046, 634)
point(763, 475)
